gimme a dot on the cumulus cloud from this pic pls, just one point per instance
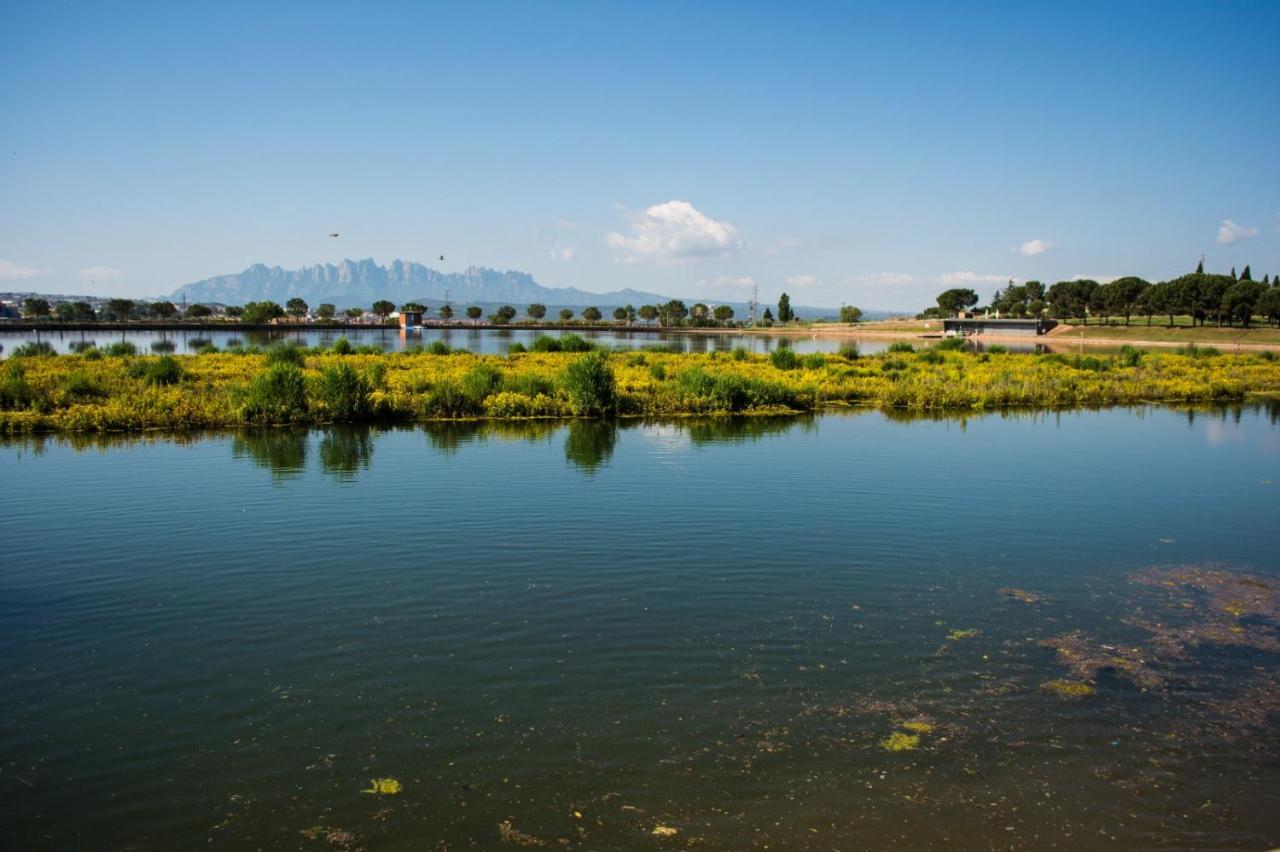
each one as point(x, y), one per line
point(720, 282)
point(101, 273)
point(955, 279)
point(1229, 232)
point(675, 231)
point(801, 280)
point(565, 254)
point(10, 271)
point(889, 278)
point(1031, 248)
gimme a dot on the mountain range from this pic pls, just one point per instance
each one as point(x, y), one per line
point(362, 282)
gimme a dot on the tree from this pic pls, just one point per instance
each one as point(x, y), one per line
point(504, 315)
point(446, 312)
point(785, 314)
point(296, 307)
point(199, 311)
point(620, 314)
point(1269, 305)
point(1247, 275)
point(383, 308)
point(261, 312)
point(631, 314)
point(723, 313)
point(699, 312)
point(1241, 297)
point(591, 314)
point(566, 314)
point(957, 299)
point(326, 311)
point(1071, 299)
point(1123, 295)
point(672, 313)
point(163, 310)
point(35, 307)
point(354, 313)
point(413, 307)
point(1200, 268)
point(120, 309)
point(850, 314)
point(1035, 291)
point(767, 318)
point(536, 311)
point(234, 310)
point(65, 311)
point(474, 313)
point(648, 313)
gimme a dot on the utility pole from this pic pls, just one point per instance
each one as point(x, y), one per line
point(755, 298)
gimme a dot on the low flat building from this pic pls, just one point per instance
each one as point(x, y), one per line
point(966, 326)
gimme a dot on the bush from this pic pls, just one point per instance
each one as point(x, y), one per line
point(34, 349)
point(658, 371)
point(815, 361)
point(446, 399)
point(849, 352)
point(163, 371)
point(342, 346)
point(276, 395)
point(341, 394)
point(376, 375)
point(784, 358)
point(997, 349)
point(289, 354)
point(740, 353)
point(120, 349)
point(590, 385)
point(79, 386)
point(951, 344)
point(529, 384)
point(481, 381)
point(162, 346)
point(15, 392)
point(438, 347)
point(1130, 356)
point(1194, 351)
point(207, 349)
point(931, 356)
point(516, 348)
point(901, 346)
point(546, 343)
point(575, 343)
point(80, 346)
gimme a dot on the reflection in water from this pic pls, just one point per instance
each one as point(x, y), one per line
point(589, 443)
point(345, 451)
point(283, 451)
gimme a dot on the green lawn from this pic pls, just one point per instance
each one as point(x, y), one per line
point(1182, 332)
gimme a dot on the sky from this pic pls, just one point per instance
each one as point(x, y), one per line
point(869, 154)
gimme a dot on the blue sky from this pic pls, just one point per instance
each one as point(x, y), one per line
point(870, 154)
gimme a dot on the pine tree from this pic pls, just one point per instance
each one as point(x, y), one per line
point(1200, 268)
point(785, 313)
point(1233, 274)
point(1247, 275)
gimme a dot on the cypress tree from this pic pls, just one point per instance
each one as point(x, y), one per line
point(1247, 275)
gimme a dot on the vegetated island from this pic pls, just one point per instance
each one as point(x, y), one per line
point(117, 389)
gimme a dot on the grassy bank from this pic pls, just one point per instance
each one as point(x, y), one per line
point(94, 391)
point(1158, 332)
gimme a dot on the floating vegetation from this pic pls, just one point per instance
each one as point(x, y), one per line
point(959, 635)
point(1069, 688)
point(510, 834)
point(664, 831)
point(333, 836)
point(1086, 659)
point(383, 787)
point(1022, 595)
point(898, 741)
point(918, 727)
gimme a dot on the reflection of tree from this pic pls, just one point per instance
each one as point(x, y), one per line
point(724, 430)
point(447, 436)
point(344, 452)
point(590, 443)
point(284, 451)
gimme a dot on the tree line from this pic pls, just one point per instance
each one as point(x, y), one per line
point(1205, 297)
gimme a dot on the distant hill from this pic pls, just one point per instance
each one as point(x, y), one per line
point(362, 282)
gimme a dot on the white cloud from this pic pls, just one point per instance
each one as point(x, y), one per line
point(801, 280)
point(564, 254)
point(101, 273)
point(675, 231)
point(781, 245)
point(720, 282)
point(1229, 232)
point(10, 271)
point(952, 279)
point(890, 278)
point(1031, 248)
point(1101, 279)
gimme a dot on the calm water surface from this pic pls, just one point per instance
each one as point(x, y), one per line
point(577, 634)
point(481, 340)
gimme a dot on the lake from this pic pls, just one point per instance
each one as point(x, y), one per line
point(853, 631)
point(481, 340)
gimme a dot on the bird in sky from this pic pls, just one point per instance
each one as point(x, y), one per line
point(331, 236)
point(442, 257)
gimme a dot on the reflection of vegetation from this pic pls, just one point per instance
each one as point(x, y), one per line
point(737, 430)
point(590, 443)
point(284, 451)
point(345, 452)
